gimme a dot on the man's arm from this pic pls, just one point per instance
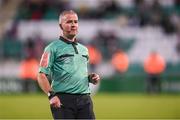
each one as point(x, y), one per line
point(44, 83)
point(45, 86)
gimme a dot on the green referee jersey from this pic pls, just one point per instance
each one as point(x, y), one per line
point(66, 63)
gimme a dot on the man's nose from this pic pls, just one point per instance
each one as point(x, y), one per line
point(73, 24)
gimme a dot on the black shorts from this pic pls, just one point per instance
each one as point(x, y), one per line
point(74, 106)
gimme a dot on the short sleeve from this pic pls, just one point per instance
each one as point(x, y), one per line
point(46, 61)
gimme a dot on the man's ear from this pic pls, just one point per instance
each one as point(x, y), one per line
point(60, 25)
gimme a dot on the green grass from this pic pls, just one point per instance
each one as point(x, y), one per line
point(36, 106)
point(137, 106)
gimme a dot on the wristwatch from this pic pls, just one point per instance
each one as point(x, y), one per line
point(51, 94)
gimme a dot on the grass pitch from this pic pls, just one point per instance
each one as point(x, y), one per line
point(106, 106)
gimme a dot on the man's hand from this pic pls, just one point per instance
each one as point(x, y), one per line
point(94, 78)
point(55, 102)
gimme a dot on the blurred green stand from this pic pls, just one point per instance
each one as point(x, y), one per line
point(134, 81)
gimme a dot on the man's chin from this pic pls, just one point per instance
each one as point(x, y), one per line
point(70, 36)
point(73, 34)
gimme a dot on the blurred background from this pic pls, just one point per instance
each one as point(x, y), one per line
point(133, 44)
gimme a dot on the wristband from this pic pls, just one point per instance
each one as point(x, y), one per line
point(51, 94)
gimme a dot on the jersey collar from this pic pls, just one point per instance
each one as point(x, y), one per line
point(67, 41)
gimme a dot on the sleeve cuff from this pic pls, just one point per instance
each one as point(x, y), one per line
point(41, 70)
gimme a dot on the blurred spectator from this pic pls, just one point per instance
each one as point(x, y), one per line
point(29, 50)
point(109, 9)
point(120, 61)
point(41, 9)
point(11, 45)
point(142, 9)
point(154, 65)
point(39, 46)
point(33, 9)
point(29, 66)
point(177, 5)
point(155, 13)
point(167, 25)
point(38, 8)
point(95, 56)
point(28, 73)
point(107, 41)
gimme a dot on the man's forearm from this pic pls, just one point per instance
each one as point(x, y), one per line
point(43, 82)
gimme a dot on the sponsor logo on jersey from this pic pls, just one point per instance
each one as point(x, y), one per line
point(44, 59)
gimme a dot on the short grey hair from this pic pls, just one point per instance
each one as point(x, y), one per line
point(65, 12)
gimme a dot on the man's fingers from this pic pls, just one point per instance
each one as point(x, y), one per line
point(56, 105)
point(59, 104)
point(55, 102)
point(96, 78)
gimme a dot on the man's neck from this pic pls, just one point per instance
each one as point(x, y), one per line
point(69, 39)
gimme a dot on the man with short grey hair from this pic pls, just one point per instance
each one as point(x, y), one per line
point(65, 62)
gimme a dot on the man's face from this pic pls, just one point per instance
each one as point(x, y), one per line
point(69, 25)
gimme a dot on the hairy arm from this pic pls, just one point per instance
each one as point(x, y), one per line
point(45, 86)
point(44, 83)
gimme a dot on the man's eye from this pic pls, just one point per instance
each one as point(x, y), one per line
point(69, 21)
point(72, 21)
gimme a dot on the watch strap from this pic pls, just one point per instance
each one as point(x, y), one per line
point(51, 94)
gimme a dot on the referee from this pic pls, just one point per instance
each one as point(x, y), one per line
point(65, 62)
